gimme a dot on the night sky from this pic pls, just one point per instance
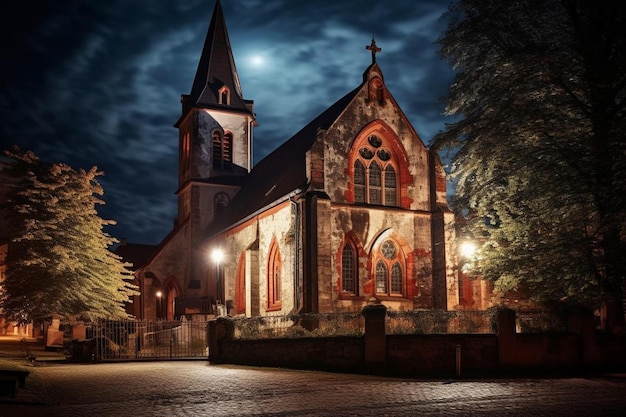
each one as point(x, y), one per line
point(99, 82)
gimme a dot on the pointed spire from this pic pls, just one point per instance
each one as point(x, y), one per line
point(216, 68)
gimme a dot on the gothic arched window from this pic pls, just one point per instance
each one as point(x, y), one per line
point(274, 278)
point(390, 273)
point(375, 179)
point(381, 278)
point(349, 282)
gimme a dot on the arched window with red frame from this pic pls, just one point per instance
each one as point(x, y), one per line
point(274, 278)
point(389, 269)
point(349, 270)
point(374, 177)
point(240, 289)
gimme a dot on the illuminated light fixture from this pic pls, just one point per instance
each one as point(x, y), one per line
point(217, 255)
point(467, 249)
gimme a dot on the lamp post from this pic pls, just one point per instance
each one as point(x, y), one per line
point(468, 249)
point(159, 306)
point(218, 256)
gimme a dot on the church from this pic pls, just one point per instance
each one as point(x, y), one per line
point(349, 211)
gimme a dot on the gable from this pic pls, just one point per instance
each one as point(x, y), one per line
point(374, 112)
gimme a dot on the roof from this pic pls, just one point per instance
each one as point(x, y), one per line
point(281, 172)
point(135, 253)
point(216, 68)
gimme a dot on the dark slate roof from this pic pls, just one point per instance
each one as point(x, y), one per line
point(217, 68)
point(281, 172)
point(135, 253)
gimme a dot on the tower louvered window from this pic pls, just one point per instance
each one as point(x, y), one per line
point(227, 143)
point(222, 150)
point(217, 149)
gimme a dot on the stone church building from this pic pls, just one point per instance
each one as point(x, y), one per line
point(349, 211)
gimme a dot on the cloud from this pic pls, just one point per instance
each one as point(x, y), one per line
point(99, 83)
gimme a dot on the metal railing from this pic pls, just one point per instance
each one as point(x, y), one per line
point(141, 339)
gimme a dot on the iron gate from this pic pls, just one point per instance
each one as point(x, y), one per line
point(141, 339)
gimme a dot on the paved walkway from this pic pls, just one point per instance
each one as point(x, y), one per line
point(196, 388)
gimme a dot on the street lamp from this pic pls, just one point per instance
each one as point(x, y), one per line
point(468, 249)
point(159, 294)
point(218, 256)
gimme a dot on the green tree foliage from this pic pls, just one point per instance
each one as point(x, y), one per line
point(58, 260)
point(538, 150)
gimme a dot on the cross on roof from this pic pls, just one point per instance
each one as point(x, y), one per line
point(372, 47)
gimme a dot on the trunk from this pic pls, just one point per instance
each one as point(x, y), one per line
point(607, 199)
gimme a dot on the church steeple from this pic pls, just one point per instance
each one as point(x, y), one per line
point(216, 84)
point(215, 132)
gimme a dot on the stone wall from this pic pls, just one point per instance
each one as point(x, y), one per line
point(344, 354)
point(439, 355)
point(436, 354)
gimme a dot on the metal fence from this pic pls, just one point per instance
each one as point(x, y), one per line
point(140, 339)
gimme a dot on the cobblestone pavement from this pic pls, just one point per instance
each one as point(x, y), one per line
point(198, 389)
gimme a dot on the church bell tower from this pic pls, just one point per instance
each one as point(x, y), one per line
point(215, 132)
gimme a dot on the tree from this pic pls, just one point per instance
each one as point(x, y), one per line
point(58, 260)
point(538, 150)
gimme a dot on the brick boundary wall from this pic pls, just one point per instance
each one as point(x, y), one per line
point(578, 350)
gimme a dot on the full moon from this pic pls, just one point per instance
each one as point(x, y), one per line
point(257, 60)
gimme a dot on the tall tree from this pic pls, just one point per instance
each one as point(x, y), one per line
point(538, 151)
point(59, 260)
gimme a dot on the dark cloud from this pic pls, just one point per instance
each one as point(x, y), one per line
point(99, 83)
